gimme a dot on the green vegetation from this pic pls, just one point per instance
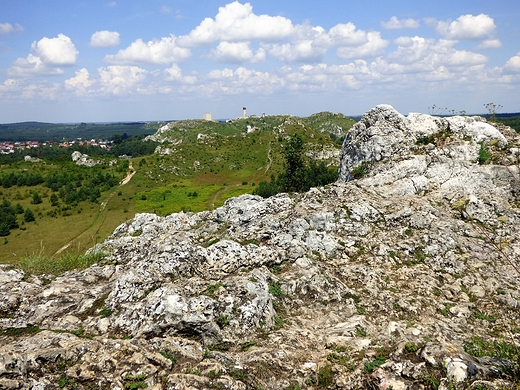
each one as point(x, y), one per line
point(136, 382)
point(53, 210)
point(483, 155)
point(325, 376)
point(480, 347)
point(38, 131)
point(298, 175)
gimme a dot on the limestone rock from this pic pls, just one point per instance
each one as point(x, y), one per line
point(397, 277)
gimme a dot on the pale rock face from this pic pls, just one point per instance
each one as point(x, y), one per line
point(412, 259)
point(83, 159)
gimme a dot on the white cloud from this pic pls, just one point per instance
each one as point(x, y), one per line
point(7, 28)
point(236, 22)
point(58, 51)
point(297, 52)
point(30, 66)
point(104, 39)
point(373, 47)
point(418, 54)
point(111, 4)
point(394, 23)
point(347, 35)
point(174, 73)
point(513, 64)
point(490, 44)
point(164, 51)
point(121, 80)
point(465, 27)
point(232, 52)
point(242, 80)
point(80, 83)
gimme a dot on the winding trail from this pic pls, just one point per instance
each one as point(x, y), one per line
point(269, 158)
point(218, 194)
point(123, 182)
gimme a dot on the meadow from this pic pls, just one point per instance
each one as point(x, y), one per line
point(188, 173)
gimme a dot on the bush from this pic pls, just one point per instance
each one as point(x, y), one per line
point(28, 215)
point(298, 176)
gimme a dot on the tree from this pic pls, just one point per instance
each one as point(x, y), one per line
point(298, 176)
point(28, 215)
point(37, 199)
point(54, 199)
point(294, 177)
point(4, 229)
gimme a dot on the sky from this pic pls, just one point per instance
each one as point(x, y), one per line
point(68, 61)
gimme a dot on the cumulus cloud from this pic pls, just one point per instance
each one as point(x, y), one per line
point(30, 66)
point(80, 83)
point(373, 47)
point(465, 27)
point(236, 22)
point(7, 28)
point(395, 24)
point(232, 52)
point(513, 64)
point(242, 80)
point(418, 54)
point(347, 35)
point(164, 51)
point(121, 80)
point(490, 44)
point(297, 52)
point(58, 51)
point(104, 39)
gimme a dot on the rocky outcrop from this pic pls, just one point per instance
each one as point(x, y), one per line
point(401, 275)
point(83, 159)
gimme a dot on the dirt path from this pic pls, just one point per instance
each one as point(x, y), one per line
point(269, 158)
point(218, 194)
point(123, 182)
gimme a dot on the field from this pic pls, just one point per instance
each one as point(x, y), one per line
point(198, 167)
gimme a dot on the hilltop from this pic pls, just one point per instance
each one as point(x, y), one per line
point(402, 275)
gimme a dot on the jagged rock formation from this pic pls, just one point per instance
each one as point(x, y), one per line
point(83, 159)
point(382, 280)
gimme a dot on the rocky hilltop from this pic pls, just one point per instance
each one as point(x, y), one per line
point(402, 275)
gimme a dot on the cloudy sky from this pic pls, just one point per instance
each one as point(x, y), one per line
point(130, 60)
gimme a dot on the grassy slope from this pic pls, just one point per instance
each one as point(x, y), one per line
point(227, 163)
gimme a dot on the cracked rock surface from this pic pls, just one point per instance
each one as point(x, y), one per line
point(392, 277)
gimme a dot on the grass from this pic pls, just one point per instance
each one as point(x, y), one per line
point(226, 164)
point(40, 264)
point(480, 347)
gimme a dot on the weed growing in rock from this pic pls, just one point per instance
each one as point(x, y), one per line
point(325, 376)
point(245, 346)
point(481, 316)
point(66, 382)
point(170, 356)
point(223, 321)
point(483, 155)
point(136, 382)
point(17, 332)
point(212, 289)
point(276, 290)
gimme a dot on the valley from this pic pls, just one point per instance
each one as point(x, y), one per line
point(196, 166)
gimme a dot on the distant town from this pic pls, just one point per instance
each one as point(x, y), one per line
point(7, 147)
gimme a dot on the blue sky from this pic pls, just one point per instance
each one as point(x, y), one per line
point(132, 60)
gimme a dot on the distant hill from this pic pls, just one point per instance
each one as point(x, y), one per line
point(41, 131)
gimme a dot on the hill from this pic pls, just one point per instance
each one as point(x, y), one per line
point(198, 165)
point(403, 274)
